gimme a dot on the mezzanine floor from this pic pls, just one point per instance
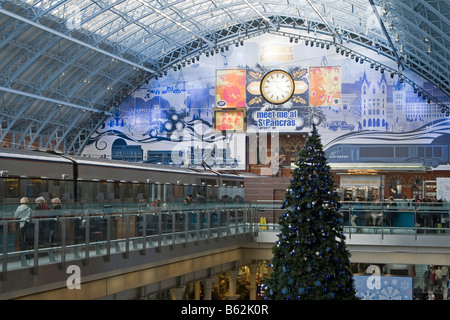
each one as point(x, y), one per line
point(115, 252)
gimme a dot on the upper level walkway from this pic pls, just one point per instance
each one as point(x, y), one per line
point(406, 233)
point(128, 247)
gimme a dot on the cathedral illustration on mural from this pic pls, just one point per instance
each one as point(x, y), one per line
point(374, 106)
point(392, 123)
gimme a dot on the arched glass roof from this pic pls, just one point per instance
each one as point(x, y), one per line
point(66, 64)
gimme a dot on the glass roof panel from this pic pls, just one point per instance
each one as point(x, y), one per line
point(155, 27)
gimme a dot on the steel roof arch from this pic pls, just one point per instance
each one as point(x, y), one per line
point(42, 87)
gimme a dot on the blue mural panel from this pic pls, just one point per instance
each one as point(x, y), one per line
point(375, 287)
point(169, 121)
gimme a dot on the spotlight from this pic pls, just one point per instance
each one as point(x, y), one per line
point(307, 42)
point(337, 50)
point(371, 66)
point(419, 93)
point(429, 101)
point(296, 40)
point(415, 90)
point(328, 46)
point(290, 40)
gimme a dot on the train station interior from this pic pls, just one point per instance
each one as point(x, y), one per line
point(146, 147)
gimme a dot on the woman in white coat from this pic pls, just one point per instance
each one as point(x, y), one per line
point(23, 213)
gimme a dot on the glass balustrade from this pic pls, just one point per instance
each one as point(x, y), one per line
point(81, 231)
point(85, 230)
point(431, 218)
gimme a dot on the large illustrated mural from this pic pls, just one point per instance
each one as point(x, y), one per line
point(203, 112)
point(169, 121)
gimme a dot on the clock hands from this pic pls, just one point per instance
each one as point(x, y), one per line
point(277, 87)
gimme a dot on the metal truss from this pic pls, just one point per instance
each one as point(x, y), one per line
point(67, 64)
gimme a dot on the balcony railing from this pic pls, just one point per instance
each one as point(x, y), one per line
point(405, 217)
point(91, 230)
point(87, 230)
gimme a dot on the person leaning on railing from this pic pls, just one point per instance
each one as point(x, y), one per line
point(355, 212)
point(391, 206)
point(377, 216)
point(56, 203)
point(40, 205)
point(23, 213)
point(419, 217)
point(40, 212)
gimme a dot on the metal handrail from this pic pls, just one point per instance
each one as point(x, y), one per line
point(413, 211)
point(230, 222)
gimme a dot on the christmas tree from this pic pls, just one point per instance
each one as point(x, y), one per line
point(311, 261)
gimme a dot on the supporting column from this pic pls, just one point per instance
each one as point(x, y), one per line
point(217, 282)
point(197, 288)
point(232, 293)
point(207, 288)
point(178, 292)
point(252, 286)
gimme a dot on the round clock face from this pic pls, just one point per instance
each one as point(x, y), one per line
point(277, 86)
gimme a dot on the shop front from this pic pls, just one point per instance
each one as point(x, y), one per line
point(367, 187)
